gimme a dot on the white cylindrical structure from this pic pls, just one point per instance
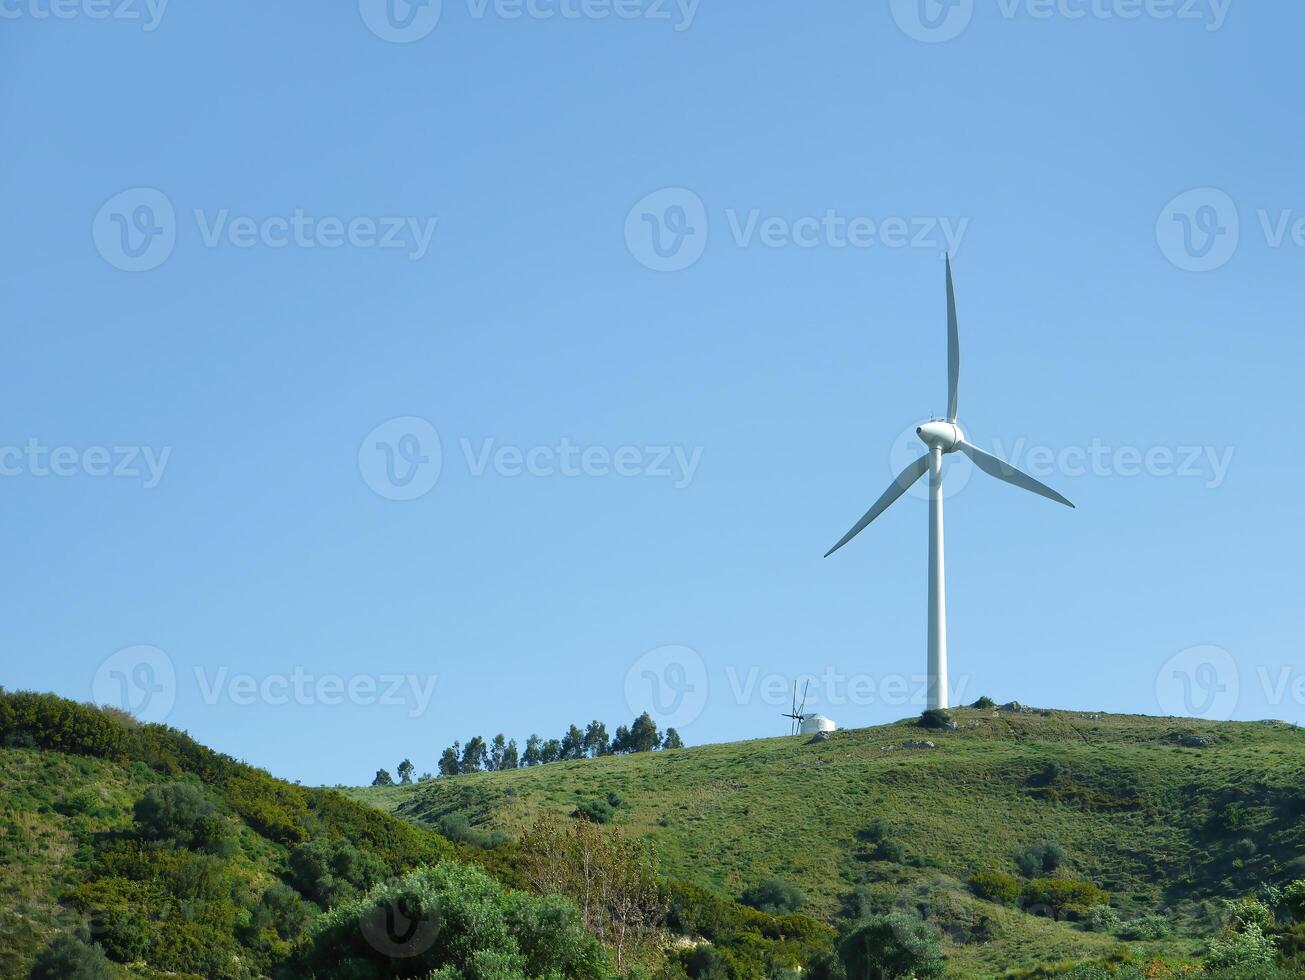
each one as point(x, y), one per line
point(937, 587)
point(816, 723)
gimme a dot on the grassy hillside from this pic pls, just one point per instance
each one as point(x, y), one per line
point(130, 850)
point(1166, 815)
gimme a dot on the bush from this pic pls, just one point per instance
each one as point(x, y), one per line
point(183, 815)
point(1251, 948)
point(595, 811)
point(774, 896)
point(984, 702)
point(1145, 928)
point(936, 718)
point(1102, 918)
point(1242, 913)
point(456, 827)
point(878, 829)
point(334, 871)
point(1040, 859)
point(891, 851)
point(1293, 897)
point(1063, 896)
point(892, 946)
point(71, 957)
point(705, 962)
point(996, 887)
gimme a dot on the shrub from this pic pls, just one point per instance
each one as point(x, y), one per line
point(1145, 928)
point(183, 815)
point(1243, 913)
point(996, 887)
point(1102, 918)
point(456, 827)
point(71, 957)
point(1063, 896)
point(985, 702)
point(891, 851)
point(774, 896)
point(595, 811)
point(1293, 897)
point(334, 871)
point(892, 946)
point(705, 962)
point(878, 829)
point(1040, 859)
point(936, 718)
point(1251, 948)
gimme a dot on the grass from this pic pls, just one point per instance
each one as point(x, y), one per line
point(1137, 812)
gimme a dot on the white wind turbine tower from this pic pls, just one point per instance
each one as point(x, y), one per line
point(943, 436)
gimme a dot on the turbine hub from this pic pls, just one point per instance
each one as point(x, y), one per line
point(937, 434)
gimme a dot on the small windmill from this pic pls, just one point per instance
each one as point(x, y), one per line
point(798, 713)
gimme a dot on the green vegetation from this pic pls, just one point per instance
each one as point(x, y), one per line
point(863, 826)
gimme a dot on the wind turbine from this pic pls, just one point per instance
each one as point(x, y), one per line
point(941, 437)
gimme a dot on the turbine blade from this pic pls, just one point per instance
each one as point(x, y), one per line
point(898, 487)
point(953, 347)
point(1002, 470)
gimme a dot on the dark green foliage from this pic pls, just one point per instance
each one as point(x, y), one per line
point(889, 947)
point(986, 703)
point(936, 719)
point(1293, 898)
point(672, 740)
point(383, 778)
point(71, 957)
point(1062, 896)
point(774, 896)
point(282, 911)
point(405, 771)
point(996, 887)
point(877, 830)
point(1145, 928)
point(451, 760)
point(457, 827)
point(891, 851)
point(595, 811)
point(332, 871)
point(705, 962)
point(454, 917)
point(183, 815)
point(1041, 858)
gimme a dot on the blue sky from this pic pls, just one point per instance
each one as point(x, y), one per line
point(244, 239)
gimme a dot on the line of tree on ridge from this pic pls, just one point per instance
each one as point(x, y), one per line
point(500, 753)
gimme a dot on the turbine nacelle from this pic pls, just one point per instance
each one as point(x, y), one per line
point(937, 434)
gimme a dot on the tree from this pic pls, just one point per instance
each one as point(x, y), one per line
point(497, 749)
point(383, 778)
point(474, 755)
point(1041, 858)
point(451, 760)
point(671, 740)
point(596, 741)
point(891, 946)
point(551, 752)
point(182, 814)
point(611, 876)
point(621, 742)
point(573, 744)
point(1293, 896)
point(510, 757)
point(532, 756)
point(643, 734)
point(405, 771)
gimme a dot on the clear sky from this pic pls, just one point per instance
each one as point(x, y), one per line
point(654, 297)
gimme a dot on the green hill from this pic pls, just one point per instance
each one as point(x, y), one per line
point(1168, 816)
